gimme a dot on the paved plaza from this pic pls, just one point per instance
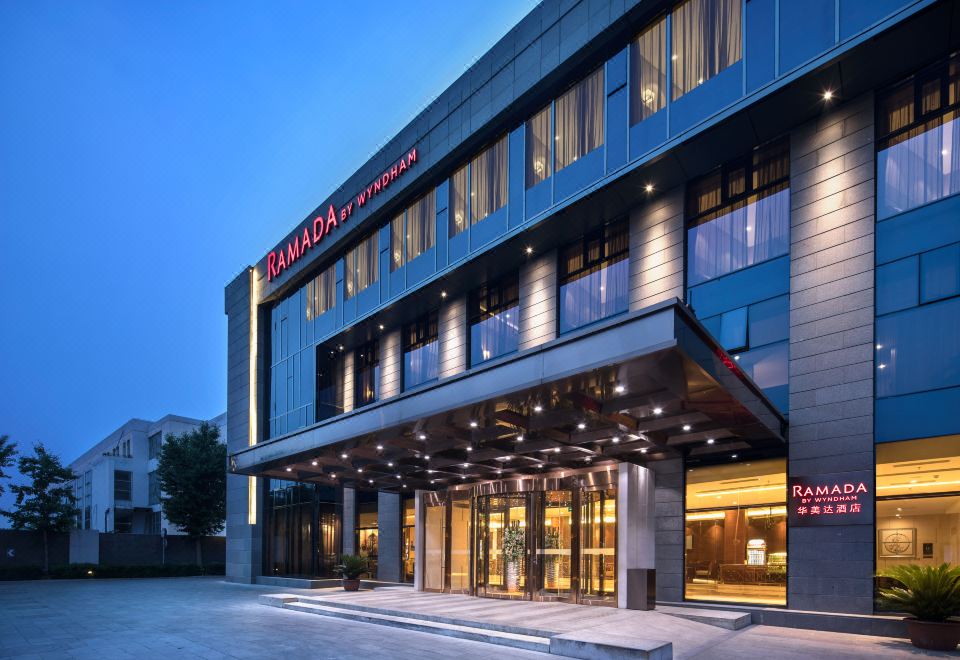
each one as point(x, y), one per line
point(208, 618)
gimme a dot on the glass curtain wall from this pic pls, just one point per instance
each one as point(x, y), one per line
point(368, 540)
point(366, 373)
point(706, 40)
point(329, 383)
point(408, 550)
point(648, 72)
point(488, 181)
point(435, 532)
point(579, 120)
point(321, 293)
point(459, 194)
point(598, 546)
point(460, 537)
point(539, 149)
point(413, 232)
point(303, 528)
point(494, 319)
point(556, 544)
point(360, 265)
point(918, 503)
point(736, 533)
point(503, 555)
point(594, 277)
point(421, 351)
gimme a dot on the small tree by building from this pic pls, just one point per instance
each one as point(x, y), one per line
point(7, 450)
point(46, 503)
point(193, 480)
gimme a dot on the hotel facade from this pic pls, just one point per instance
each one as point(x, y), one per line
point(658, 302)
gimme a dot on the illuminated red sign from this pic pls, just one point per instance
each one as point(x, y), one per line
point(283, 257)
point(836, 499)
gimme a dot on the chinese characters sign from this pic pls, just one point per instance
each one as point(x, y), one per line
point(831, 499)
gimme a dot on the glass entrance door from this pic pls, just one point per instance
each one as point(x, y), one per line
point(556, 537)
point(598, 546)
point(503, 546)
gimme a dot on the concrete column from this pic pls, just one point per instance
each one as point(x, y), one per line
point(636, 541)
point(349, 523)
point(388, 529)
point(244, 333)
point(419, 538)
point(391, 369)
point(656, 250)
point(669, 526)
point(538, 300)
point(831, 346)
point(453, 337)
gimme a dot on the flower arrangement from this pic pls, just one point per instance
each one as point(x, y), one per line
point(514, 543)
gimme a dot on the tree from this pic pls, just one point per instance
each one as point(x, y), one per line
point(193, 481)
point(46, 504)
point(7, 450)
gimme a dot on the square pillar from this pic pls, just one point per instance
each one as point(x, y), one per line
point(419, 538)
point(636, 538)
point(349, 525)
point(388, 529)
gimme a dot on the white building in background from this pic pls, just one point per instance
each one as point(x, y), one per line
point(117, 487)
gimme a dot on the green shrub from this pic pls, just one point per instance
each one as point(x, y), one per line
point(351, 566)
point(930, 593)
point(21, 573)
point(93, 571)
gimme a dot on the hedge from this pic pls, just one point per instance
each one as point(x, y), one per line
point(93, 571)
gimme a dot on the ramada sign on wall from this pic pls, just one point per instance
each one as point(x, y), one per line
point(323, 224)
point(831, 499)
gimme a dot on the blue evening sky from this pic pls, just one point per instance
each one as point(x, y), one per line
point(150, 150)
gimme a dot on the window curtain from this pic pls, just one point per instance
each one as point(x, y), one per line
point(320, 293)
point(396, 242)
point(350, 273)
point(742, 237)
point(366, 262)
point(919, 170)
point(421, 226)
point(595, 296)
point(706, 40)
point(538, 147)
point(648, 72)
point(488, 181)
point(495, 336)
point(422, 364)
point(459, 183)
point(580, 120)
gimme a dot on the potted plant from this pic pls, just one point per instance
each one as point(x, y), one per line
point(931, 595)
point(514, 545)
point(350, 568)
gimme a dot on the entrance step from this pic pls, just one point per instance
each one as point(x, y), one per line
point(719, 618)
point(473, 633)
point(591, 643)
point(322, 583)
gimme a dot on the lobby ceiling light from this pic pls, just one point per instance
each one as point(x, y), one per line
point(473, 425)
point(313, 463)
point(538, 408)
point(615, 439)
point(733, 455)
point(556, 450)
point(581, 426)
point(422, 436)
point(399, 477)
point(379, 447)
point(433, 481)
point(359, 470)
point(520, 438)
point(370, 480)
point(443, 294)
point(710, 441)
point(619, 389)
point(469, 448)
point(643, 450)
point(429, 471)
point(658, 411)
point(289, 469)
point(879, 346)
point(687, 427)
point(426, 457)
point(466, 465)
point(389, 463)
point(343, 456)
point(380, 326)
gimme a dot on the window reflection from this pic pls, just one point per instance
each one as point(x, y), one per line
point(420, 351)
point(494, 320)
point(594, 277)
point(736, 533)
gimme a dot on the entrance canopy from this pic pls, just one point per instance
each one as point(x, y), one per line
point(644, 386)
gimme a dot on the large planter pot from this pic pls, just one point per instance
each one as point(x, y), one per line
point(934, 635)
point(350, 585)
point(513, 575)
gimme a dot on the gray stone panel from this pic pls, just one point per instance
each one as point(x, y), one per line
point(668, 523)
point(453, 337)
point(391, 370)
point(388, 529)
point(831, 345)
point(349, 523)
point(538, 300)
point(656, 250)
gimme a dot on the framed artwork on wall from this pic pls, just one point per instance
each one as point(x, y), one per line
point(897, 543)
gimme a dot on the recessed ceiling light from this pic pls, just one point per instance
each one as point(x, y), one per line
point(881, 366)
point(379, 447)
point(403, 485)
point(289, 469)
point(657, 411)
point(499, 471)
point(686, 427)
point(433, 481)
point(399, 477)
point(469, 448)
point(520, 438)
point(359, 469)
point(422, 436)
point(473, 425)
point(463, 476)
point(343, 456)
point(380, 326)
point(733, 455)
point(643, 450)
point(389, 463)
point(648, 187)
point(313, 463)
point(827, 95)
point(710, 441)
point(538, 408)
point(615, 439)
point(556, 450)
point(426, 457)
point(466, 465)
point(619, 389)
point(879, 346)
point(429, 471)
point(581, 426)
point(370, 480)
point(443, 294)
point(529, 250)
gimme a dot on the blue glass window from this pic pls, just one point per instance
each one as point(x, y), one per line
point(733, 329)
point(918, 161)
point(420, 351)
point(768, 366)
point(918, 349)
point(595, 277)
point(770, 321)
point(329, 380)
point(897, 285)
point(940, 273)
point(739, 215)
point(495, 320)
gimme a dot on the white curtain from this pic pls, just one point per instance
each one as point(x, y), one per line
point(459, 185)
point(648, 72)
point(920, 169)
point(538, 147)
point(706, 40)
point(580, 120)
point(488, 181)
point(421, 225)
point(396, 242)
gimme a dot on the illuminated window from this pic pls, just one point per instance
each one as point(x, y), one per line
point(918, 502)
point(368, 542)
point(706, 40)
point(408, 243)
point(648, 72)
point(736, 533)
point(495, 319)
point(360, 266)
point(579, 128)
point(488, 181)
point(594, 277)
point(459, 193)
point(321, 293)
point(366, 374)
point(539, 153)
point(421, 351)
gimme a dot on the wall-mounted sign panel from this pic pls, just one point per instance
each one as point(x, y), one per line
point(844, 498)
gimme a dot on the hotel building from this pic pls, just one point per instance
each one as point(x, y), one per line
point(658, 301)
